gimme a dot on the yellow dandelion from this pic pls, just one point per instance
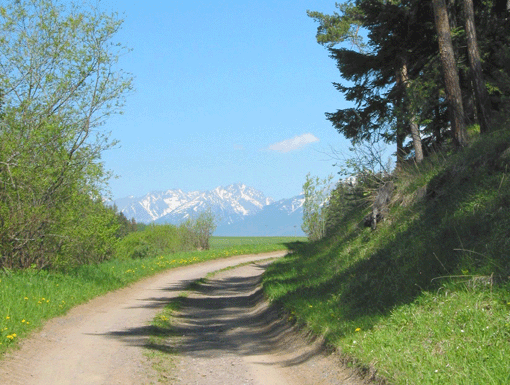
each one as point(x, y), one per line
point(23, 321)
point(358, 329)
point(7, 317)
point(26, 298)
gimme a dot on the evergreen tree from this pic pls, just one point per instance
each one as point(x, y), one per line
point(384, 70)
point(482, 96)
point(410, 80)
point(451, 75)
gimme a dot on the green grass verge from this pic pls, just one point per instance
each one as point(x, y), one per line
point(159, 354)
point(424, 299)
point(28, 298)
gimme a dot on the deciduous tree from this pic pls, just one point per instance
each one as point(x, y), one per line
point(317, 192)
point(59, 81)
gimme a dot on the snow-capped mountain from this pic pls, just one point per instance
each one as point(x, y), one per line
point(229, 204)
point(239, 210)
point(281, 218)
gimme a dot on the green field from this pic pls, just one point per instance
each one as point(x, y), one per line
point(222, 242)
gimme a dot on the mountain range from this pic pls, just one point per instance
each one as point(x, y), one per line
point(239, 210)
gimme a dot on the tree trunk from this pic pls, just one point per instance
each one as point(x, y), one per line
point(415, 130)
point(400, 130)
point(481, 94)
point(451, 75)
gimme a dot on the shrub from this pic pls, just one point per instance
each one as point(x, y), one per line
point(197, 231)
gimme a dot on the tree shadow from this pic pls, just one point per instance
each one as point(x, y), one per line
point(222, 316)
point(406, 261)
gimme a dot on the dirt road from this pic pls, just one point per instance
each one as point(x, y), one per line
point(225, 334)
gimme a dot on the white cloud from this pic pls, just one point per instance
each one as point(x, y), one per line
point(294, 143)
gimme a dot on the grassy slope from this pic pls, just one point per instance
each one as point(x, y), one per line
point(425, 298)
point(27, 298)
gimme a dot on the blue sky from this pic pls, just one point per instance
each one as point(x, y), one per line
point(225, 92)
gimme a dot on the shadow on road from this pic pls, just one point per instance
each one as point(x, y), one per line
point(222, 316)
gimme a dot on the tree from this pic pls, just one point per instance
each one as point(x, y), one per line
point(198, 230)
point(59, 81)
point(382, 72)
point(398, 87)
point(481, 94)
point(317, 192)
point(451, 75)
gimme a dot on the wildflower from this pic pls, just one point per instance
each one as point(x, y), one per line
point(358, 330)
point(23, 321)
point(25, 298)
point(7, 317)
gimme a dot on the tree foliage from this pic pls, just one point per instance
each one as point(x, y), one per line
point(394, 79)
point(59, 81)
point(199, 229)
point(316, 192)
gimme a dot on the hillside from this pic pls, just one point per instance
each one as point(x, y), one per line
point(425, 298)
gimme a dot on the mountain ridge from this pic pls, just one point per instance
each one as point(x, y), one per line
point(239, 209)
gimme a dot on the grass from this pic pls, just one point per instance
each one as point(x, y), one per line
point(28, 298)
point(159, 354)
point(424, 299)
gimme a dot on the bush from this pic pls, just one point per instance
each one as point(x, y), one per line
point(152, 241)
point(197, 231)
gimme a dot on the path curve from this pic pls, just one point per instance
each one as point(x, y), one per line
point(95, 344)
